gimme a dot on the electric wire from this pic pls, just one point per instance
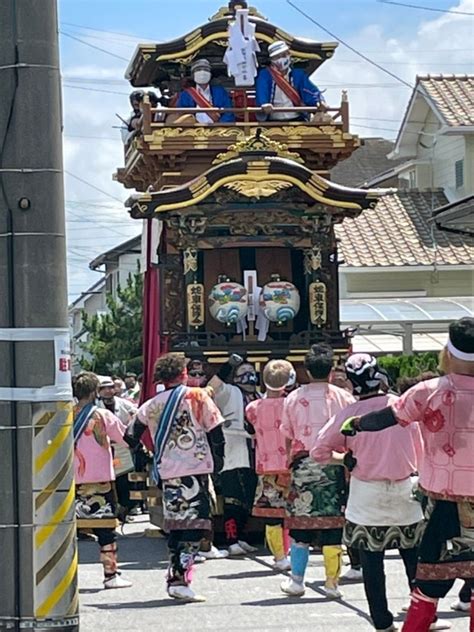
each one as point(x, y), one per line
point(102, 50)
point(351, 48)
point(424, 8)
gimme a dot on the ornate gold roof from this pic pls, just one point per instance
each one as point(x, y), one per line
point(154, 63)
point(254, 173)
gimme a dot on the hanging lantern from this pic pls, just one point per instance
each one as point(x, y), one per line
point(280, 301)
point(228, 302)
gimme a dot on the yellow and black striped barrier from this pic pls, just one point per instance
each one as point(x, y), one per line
point(55, 549)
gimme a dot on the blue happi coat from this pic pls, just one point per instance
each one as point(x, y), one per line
point(309, 93)
point(220, 99)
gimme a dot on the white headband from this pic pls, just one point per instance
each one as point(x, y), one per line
point(460, 355)
point(276, 390)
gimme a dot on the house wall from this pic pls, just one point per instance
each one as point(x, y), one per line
point(92, 305)
point(447, 151)
point(128, 264)
point(441, 283)
point(469, 165)
point(439, 169)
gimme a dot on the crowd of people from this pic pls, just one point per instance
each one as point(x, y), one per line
point(340, 460)
point(279, 89)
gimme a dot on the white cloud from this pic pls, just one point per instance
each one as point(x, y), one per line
point(441, 45)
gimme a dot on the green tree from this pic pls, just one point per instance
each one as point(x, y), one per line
point(409, 365)
point(114, 339)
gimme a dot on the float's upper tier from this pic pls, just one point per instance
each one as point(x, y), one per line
point(154, 63)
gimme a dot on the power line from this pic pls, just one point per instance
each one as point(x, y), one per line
point(407, 63)
point(96, 90)
point(115, 41)
point(102, 225)
point(418, 6)
point(73, 79)
point(93, 186)
point(351, 48)
point(91, 137)
point(90, 28)
point(102, 50)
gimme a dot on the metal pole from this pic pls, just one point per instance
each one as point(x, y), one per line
point(38, 582)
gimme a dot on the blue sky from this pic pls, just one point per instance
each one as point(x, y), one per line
point(408, 42)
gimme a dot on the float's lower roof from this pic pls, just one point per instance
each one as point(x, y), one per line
point(253, 177)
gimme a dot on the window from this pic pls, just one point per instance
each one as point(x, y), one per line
point(459, 173)
point(412, 179)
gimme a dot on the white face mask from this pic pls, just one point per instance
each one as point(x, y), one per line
point(202, 77)
point(283, 64)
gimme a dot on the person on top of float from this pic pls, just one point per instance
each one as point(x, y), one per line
point(444, 409)
point(205, 95)
point(280, 85)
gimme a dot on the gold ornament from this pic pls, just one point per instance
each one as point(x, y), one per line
point(258, 143)
point(264, 188)
point(312, 260)
point(190, 260)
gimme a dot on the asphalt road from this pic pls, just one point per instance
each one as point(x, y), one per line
point(242, 594)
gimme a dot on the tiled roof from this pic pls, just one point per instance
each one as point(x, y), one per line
point(398, 232)
point(368, 161)
point(453, 96)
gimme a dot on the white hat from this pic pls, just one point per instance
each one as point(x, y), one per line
point(105, 380)
point(277, 48)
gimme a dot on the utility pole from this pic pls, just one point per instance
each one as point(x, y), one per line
point(38, 578)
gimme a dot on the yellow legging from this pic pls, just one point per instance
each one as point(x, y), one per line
point(332, 555)
point(275, 541)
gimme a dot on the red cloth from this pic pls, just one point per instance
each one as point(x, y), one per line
point(202, 102)
point(152, 347)
point(286, 86)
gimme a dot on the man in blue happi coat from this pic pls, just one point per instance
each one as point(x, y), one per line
point(280, 86)
point(203, 95)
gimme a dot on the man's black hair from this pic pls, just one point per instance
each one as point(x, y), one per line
point(461, 334)
point(137, 95)
point(319, 361)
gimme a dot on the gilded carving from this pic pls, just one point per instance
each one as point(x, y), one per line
point(199, 134)
point(187, 228)
point(264, 188)
point(190, 260)
point(173, 308)
point(312, 260)
point(259, 142)
point(269, 223)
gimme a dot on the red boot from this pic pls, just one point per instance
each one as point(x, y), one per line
point(421, 613)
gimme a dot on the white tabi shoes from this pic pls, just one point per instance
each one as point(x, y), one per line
point(116, 582)
point(184, 593)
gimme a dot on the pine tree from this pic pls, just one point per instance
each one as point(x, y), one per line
point(114, 339)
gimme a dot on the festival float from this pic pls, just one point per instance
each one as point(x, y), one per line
point(243, 212)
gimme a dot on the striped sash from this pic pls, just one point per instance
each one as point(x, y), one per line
point(286, 86)
point(165, 424)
